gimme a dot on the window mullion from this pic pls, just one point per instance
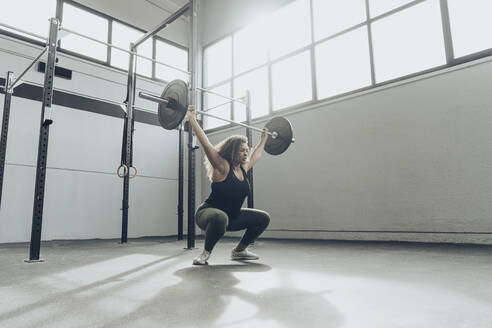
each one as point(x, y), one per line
point(110, 39)
point(313, 59)
point(371, 49)
point(154, 57)
point(232, 107)
point(446, 29)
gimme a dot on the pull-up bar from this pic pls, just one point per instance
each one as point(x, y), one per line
point(159, 27)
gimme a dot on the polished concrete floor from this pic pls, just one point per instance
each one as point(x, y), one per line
point(151, 283)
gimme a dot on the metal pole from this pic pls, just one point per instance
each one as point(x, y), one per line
point(273, 134)
point(191, 190)
point(28, 67)
point(191, 148)
point(127, 151)
point(180, 182)
point(240, 99)
point(152, 97)
point(5, 127)
point(165, 101)
point(37, 217)
point(249, 134)
point(24, 31)
point(162, 25)
point(134, 52)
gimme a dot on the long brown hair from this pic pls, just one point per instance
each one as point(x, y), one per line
point(229, 150)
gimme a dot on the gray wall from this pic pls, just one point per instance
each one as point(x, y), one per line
point(411, 161)
point(83, 194)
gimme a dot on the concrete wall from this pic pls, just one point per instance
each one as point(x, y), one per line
point(410, 161)
point(83, 194)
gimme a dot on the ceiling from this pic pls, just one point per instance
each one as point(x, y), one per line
point(170, 6)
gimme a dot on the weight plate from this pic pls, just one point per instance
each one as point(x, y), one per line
point(170, 115)
point(281, 125)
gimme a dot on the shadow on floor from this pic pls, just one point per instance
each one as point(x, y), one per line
point(203, 299)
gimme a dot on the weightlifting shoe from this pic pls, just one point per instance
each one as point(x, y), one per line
point(202, 258)
point(243, 255)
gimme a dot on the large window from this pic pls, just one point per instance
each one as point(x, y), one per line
point(402, 47)
point(256, 82)
point(343, 64)
point(87, 24)
point(378, 7)
point(218, 62)
point(252, 37)
point(311, 50)
point(470, 25)
point(98, 26)
point(122, 36)
point(331, 17)
point(287, 33)
point(174, 56)
point(34, 20)
point(291, 81)
point(217, 107)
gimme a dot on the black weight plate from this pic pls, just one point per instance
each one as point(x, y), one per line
point(283, 140)
point(170, 115)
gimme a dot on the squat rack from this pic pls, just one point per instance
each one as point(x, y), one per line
point(128, 129)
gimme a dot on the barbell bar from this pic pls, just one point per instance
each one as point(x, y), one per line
point(173, 106)
point(239, 100)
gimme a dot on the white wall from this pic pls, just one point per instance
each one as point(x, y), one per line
point(83, 194)
point(412, 157)
point(220, 17)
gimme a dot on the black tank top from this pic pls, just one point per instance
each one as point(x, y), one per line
point(229, 195)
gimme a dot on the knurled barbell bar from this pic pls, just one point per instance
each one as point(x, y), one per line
point(173, 105)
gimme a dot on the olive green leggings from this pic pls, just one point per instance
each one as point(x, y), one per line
point(216, 222)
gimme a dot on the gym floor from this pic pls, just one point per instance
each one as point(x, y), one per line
point(296, 283)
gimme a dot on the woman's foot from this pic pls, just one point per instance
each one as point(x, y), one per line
point(202, 258)
point(243, 255)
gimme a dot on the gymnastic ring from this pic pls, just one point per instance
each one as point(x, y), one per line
point(134, 175)
point(125, 171)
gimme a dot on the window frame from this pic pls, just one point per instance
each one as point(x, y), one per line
point(451, 60)
point(111, 19)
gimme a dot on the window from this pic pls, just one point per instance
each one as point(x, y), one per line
point(354, 44)
point(401, 46)
point(34, 20)
point(173, 56)
point(121, 37)
point(218, 62)
point(211, 100)
point(88, 24)
point(291, 81)
point(144, 66)
point(470, 25)
point(250, 47)
point(378, 7)
point(331, 16)
point(257, 84)
point(290, 28)
point(342, 63)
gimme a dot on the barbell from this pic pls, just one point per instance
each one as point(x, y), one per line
point(173, 105)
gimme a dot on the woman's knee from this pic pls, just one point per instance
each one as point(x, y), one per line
point(218, 221)
point(264, 219)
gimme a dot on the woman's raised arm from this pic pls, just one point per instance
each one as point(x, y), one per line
point(213, 156)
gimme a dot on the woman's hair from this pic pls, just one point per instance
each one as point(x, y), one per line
point(229, 150)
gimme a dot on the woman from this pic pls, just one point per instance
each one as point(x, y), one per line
point(226, 166)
